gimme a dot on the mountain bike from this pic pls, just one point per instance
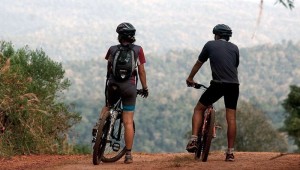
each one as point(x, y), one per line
point(207, 130)
point(109, 140)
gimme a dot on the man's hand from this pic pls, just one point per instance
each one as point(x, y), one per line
point(145, 93)
point(190, 82)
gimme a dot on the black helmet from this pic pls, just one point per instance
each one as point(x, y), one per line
point(222, 30)
point(126, 28)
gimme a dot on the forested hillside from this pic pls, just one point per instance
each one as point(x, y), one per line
point(163, 119)
point(76, 29)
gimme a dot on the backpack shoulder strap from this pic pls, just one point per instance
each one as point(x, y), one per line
point(135, 50)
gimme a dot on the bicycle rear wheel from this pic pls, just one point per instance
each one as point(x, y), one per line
point(115, 148)
point(199, 142)
point(208, 135)
point(100, 143)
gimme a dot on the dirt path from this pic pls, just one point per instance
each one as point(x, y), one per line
point(244, 160)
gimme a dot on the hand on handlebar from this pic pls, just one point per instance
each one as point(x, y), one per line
point(190, 82)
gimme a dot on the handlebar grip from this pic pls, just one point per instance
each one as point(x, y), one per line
point(198, 86)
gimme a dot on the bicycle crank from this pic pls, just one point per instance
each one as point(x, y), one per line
point(116, 147)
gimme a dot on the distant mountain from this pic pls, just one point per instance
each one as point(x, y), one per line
point(76, 30)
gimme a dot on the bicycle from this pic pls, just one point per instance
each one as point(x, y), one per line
point(109, 142)
point(207, 130)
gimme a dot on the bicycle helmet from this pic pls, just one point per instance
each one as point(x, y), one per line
point(126, 28)
point(222, 30)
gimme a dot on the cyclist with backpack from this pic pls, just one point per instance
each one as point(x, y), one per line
point(224, 62)
point(125, 63)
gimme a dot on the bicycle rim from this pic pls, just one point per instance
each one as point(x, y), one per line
point(115, 149)
point(208, 135)
point(98, 148)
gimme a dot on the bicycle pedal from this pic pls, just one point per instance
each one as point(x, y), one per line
point(116, 147)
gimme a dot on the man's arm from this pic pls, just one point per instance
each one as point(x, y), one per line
point(142, 75)
point(195, 69)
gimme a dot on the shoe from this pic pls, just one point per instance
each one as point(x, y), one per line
point(229, 157)
point(128, 159)
point(192, 146)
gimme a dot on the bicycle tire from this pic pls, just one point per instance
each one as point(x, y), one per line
point(109, 154)
point(199, 143)
point(208, 135)
point(100, 142)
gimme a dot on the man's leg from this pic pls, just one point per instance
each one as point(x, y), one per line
point(197, 118)
point(129, 134)
point(196, 123)
point(231, 132)
point(129, 131)
point(231, 129)
point(95, 128)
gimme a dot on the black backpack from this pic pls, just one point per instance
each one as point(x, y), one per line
point(124, 62)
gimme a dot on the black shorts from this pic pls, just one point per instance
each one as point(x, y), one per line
point(126, 90)
point(215, 91)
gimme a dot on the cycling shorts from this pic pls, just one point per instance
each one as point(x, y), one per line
point(230, 92)
point(126, 90)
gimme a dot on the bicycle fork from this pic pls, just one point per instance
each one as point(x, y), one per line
point(110, 138)
point(113, 117)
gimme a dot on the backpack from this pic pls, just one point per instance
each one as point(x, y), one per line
point(124, 62)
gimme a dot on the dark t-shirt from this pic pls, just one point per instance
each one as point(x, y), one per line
point(224, 60)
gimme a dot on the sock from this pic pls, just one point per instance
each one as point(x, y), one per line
point(194, 137)
point(128, 151)
point(230, 150)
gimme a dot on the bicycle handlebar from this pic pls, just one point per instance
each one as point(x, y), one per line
point(198, 86)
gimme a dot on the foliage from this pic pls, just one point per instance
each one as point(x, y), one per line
point(286, 3)
point(35, 120)
point(292, 121)
point(254, 131)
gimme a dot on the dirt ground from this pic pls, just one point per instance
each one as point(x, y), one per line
point(243, 160)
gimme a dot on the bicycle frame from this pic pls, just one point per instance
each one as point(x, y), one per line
point(206, 131)
point(114, 112)
point(109, 135)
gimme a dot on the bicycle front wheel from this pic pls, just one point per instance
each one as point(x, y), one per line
point(115, 148)
point(101, 137)
point(208, 135)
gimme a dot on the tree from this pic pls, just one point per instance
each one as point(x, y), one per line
point(286, 3)
point(292, 121)
point(34, 118)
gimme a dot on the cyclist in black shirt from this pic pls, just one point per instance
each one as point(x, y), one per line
point(224, 61)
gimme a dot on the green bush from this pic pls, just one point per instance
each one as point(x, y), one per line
point(35, 119)
point(292, 121)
